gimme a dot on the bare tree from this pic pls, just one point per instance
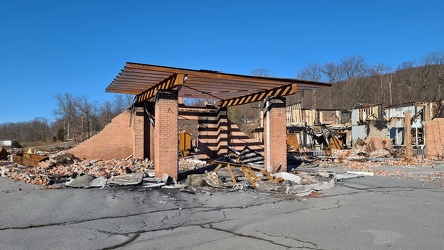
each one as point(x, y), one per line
point(313, 72)
point(405, 77)
point(379, 73)
point(333, 72)
point(354, 67)
point(67, 110)
point(430, 70)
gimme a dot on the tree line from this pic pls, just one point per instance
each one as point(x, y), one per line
point(354, 81)
point(76, 118)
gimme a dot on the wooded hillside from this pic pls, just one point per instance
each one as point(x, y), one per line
point(409, 83)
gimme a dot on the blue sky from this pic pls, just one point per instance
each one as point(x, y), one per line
point(55, 47)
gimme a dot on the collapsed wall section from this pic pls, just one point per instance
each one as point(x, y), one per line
point(115, 141)
point(434, 138)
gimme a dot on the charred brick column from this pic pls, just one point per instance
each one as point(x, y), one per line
point(166, 134)
point(277, 149)
point(138, 124)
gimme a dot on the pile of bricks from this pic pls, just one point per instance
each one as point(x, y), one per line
point(42, 174)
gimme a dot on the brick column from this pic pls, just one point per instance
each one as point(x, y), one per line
point(278, 135)
point(408, 136)
point(138, 125)
point(166, 134)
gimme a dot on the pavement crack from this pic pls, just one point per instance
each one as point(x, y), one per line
point(210, 226)
point(311, 244)
point(123, 244)
point(65, 223)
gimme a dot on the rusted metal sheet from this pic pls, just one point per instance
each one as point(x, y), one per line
point(26, 159)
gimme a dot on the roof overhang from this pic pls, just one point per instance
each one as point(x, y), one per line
point(146, 80)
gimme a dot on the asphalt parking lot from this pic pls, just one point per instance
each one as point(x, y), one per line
point(373, 212)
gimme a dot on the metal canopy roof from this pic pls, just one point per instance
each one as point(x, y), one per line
point(136, 78)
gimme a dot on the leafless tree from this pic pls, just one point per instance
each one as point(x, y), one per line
point(333, 72)
point(313, 72)
point(354, 67)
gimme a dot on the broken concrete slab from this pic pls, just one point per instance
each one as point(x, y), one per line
point(154, 185)
point(165, 178)
point(126, 179)
point(346, 176)
point(198, 180)
point(82, 181)
point(304, 190)
point(98, 182)
point(287, 176)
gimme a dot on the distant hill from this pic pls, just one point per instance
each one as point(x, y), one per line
point(413, 84)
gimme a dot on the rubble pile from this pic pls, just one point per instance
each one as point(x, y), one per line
point(66, 165)
point(187, 164)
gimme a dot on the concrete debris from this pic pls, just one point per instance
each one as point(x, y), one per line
point(154, 185)
point(288, 177)
point(82, 181)
point(346, 176)
point(304, 190)
point(207, 179)
point(165, 178)
point(98, 182)
point(187, 164)
point(127, 179)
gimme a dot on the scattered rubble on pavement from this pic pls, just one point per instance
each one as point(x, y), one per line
point(308, 177)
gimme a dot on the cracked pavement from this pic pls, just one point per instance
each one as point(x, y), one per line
point(375, 212)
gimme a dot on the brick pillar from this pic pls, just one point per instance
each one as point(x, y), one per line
point(166, 134)
point(223, 131)
point(278, 135)
point(408, 136)
point(138, 125)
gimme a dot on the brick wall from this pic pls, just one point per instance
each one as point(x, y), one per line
point(434, 138)
point(278, 136)
point(166, 134)
point(113, 142)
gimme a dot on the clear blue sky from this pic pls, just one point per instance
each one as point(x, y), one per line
point(55, 47)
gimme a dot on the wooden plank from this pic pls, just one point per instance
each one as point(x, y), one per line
point(250, 179)
point(233, 179)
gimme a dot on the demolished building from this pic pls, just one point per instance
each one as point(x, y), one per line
point(150, 128)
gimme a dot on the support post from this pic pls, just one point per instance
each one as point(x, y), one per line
point(408, 136)
point(166, 134)
point(275, 130)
